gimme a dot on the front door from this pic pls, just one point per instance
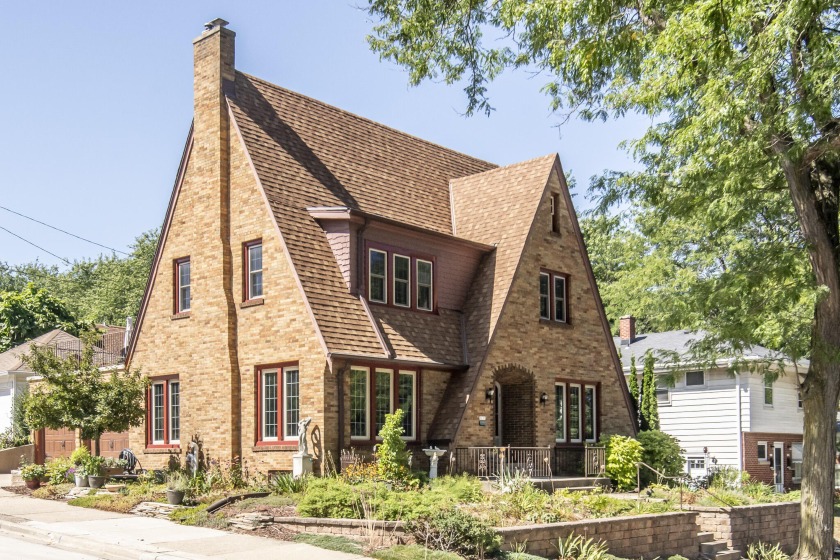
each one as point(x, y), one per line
point(497, 416)
point(779, 466)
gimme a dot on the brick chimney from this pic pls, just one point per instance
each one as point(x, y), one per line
point(627, 329)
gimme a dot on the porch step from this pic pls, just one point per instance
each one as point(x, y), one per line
point(713, 547)
point(580, 488)
point(705, 537)
point(728, 555)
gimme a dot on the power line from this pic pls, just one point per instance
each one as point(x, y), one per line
point(38, 246)
point(62, 231)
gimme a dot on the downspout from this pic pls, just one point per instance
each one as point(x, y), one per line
point(740, 427)
point(360, 258)
point(340, 380)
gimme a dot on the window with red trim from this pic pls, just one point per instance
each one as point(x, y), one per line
point(380, 391)
point(183, 293)
point(278, 404)
point(554, 296)
point(252, 266)
point(163, 412)
point(399, 278)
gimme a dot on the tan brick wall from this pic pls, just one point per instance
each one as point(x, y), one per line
point(741, 526)
point(579, 350)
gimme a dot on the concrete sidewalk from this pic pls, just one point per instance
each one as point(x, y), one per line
point(115, 536)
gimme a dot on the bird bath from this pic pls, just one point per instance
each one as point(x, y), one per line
point(434, 454)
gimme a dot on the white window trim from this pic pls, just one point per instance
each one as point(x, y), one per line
point(766, 460)
point(431, 284)
point(168, 400)
point(579, 414)
point(413, 374)
point(162, 385)
point(390, 373)
point(250, 271)
point(367, 403)
point(766, 386)
point(384, 277)
point(565, 411)
point(553, 292)
point(594, 413)
point(548, 296)
point(262, 404)
point(283, 411)
point(691, 458)
point(181, 308)
point(685, 382)
point(394, 279)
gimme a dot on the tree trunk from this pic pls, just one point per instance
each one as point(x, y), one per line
point(819, 401)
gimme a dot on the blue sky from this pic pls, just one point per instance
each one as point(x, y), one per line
point(97, 101)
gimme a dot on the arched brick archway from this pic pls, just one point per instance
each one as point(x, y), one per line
point(516, 387)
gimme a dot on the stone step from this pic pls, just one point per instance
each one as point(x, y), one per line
point(728, 554)
point(581, 488)
point(713, 547)
point(705, 537)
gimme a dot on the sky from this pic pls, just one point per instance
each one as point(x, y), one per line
point(96, 104)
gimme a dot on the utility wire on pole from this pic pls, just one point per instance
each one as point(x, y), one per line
point(62, 231)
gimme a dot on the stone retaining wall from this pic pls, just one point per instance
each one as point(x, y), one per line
point(639, 536)
point(10, 457)
point(743, 525)
point(377, 533)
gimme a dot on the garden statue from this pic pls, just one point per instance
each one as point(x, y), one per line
point(434, 454)
point(192, 458)
point(303, 446)
point(302, 460)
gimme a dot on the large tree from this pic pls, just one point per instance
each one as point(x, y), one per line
point(32, 312)
point(75, 393)
point(744, 142)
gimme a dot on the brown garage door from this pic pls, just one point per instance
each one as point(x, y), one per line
point(111, 443)
point(59, 443)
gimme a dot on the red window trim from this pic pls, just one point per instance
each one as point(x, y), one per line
point(566, 395)
point(413, 257)
point(555, 213)
point(552, 300)
point(166, 380)
point(246, 271)
point(258, 435)
point(371, 412)
point(176, 287)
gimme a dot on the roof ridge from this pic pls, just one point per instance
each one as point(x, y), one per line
point(505, 167)
point(367, 120)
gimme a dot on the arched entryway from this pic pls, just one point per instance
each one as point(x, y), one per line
point(513, 409)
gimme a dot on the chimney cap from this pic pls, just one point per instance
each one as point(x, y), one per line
point(218, 22)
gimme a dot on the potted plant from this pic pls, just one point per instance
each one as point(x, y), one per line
point(177, 486)
point(80, 475)
point(32, 475)
point(114, 466)
point(95, 471)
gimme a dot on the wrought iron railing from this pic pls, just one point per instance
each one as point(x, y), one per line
point(595, 461)
point(494, 462)
point(568, 461)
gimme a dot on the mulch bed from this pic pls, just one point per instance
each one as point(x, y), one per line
point(22, 490)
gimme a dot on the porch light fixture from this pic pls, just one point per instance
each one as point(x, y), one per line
point(543, 399)
point(489, 394)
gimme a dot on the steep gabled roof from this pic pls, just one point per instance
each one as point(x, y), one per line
point(308, 154)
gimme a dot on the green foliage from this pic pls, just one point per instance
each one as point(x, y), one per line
point(633, 386)
point(80, 455)
point(330, 542)
point(11, 438)
point(622, 455)
point(75, 394)
point(453, 530)
point(32, 312)
point(413, 552)
point(329, 497)
point(94, 465)
point(178, 480)
point(53, 491)
point(662, 452)
point(58, 470)
point(765, 551)
point(391, 454)
point(649, 412)
point(33, 471)
point(287, 484)
point(577, 547)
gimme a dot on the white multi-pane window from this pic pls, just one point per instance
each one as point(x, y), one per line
point(378, 276)
point(359, 403)
point(158, 408)
point(384, 395)
point(560, 412)
point(545, 301)
point(768, 392)
point(406, 397)
point(255, 270)
point(291, 399)
point(424, 285)
point(182, 272)
point(402, 281)
point(269, 405)
point(174, 411)
point(560, 299)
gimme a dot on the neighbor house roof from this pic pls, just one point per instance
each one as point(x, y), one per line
point(670, 344)
point(12, 359)
point(309, 154)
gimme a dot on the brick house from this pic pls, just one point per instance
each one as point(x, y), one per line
point(723, 417)
point(316, 264)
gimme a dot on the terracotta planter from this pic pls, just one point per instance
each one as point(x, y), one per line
point(81, 481)
point(33, 484)
point(113, 471)
point(174, 497)
point(97, 481)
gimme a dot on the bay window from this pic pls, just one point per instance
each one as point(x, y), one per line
point(389, 390)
